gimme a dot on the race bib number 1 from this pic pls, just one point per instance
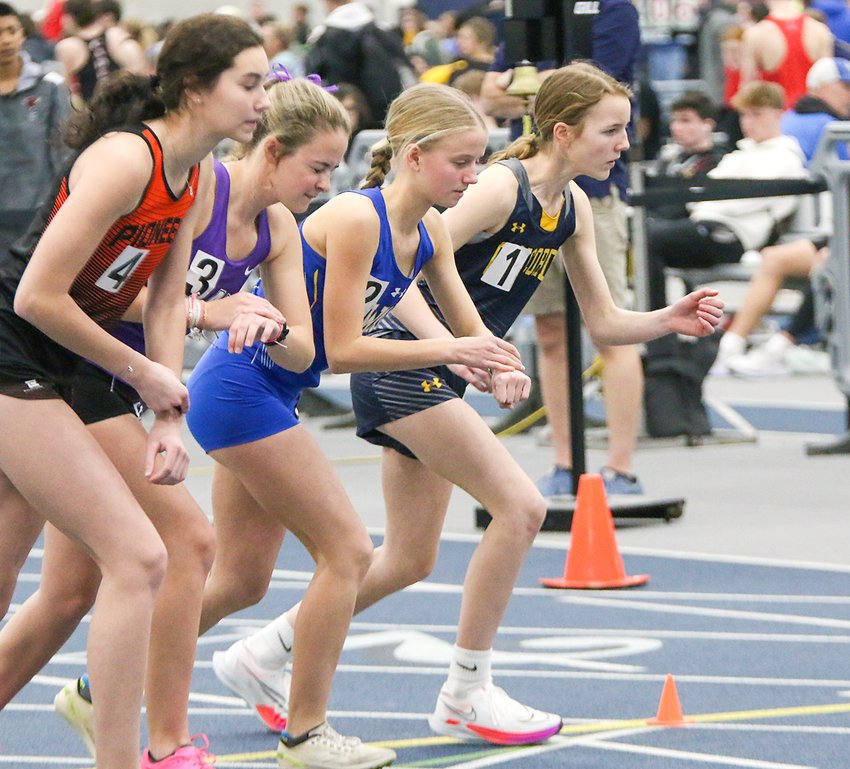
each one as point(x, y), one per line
point(505, 265)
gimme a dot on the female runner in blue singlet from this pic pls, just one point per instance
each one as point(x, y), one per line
point(506, 231)
point(369, 244)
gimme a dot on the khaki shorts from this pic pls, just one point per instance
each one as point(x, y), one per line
point(610, 225)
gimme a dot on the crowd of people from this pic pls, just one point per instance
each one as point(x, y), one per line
point(446, 255)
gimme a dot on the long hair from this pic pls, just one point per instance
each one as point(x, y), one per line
point(299, 110)
point(565, 96)
point(422, 114)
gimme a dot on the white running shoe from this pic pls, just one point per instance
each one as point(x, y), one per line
point(77, 711)
point(324, 748)
point(489, 714)
point(767, 360)
point(267, 691)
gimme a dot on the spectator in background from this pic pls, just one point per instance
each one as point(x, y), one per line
point(277, 41)
point(95, 49)
point(34, 101)
point(720, 231)
point(36, 45)
point(719, 16)
point(476, 44)
point(354, 101)
point(781, 47)
point(351, 48)
point(470, 81)
point(420, 41)
point(301, 23)
point(827, 100)
point(692, 153)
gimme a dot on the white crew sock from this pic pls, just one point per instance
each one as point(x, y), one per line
point(271, 646)
point(468, 669)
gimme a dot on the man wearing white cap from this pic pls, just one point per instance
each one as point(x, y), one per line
point(827, 98)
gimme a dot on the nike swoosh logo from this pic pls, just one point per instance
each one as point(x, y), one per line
point(467, 713)
point(287, 649)
point(248, 271)
point(472, 669)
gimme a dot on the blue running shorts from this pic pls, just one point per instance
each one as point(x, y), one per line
point(235, 400)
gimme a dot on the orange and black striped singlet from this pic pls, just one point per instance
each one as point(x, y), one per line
point(135, 244)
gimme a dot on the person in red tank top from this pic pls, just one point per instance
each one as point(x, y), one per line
point(781, 48)
point(121, 215)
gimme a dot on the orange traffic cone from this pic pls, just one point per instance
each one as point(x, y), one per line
point(669, 708)
point(593, 560)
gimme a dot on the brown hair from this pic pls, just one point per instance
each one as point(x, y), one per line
point(566, 96)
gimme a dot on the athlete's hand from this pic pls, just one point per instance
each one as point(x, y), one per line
point(510, 388)
point(249, 327)
point(696, 314)
point(221, 313)
point(166, 458)
point(477, 377)
point(487, 352)
point(159, 387)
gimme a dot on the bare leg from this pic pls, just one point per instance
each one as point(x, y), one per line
point(85, 497)
point(452, 441)
point(68, 588)
point(416, 500)
point(190, 542)
point(552, 370)
point(246, 533)
point(622, 389)
point(313, 505)
point(24, 526)
point(778, 263)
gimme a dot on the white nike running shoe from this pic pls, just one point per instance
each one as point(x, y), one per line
point(324, 748)
point(267, 691)
point(77, 711)
point(489, 714)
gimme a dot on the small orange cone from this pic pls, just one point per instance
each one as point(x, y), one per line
point(669, 708)
point(593, 559)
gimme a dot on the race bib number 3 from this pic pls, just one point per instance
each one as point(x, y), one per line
point(505, 265)
point(121, 270)
point(203, 274)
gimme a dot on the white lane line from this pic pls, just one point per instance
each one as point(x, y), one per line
point(715, 759)
point(702, 611)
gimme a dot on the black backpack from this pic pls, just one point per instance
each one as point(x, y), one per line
point(674, 370)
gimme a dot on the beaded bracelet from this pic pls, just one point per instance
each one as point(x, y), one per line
point(284, 332)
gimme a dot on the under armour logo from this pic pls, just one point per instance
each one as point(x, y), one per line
point(435, 382)
point(518, 227)
point(33, 384)
point(397, 292)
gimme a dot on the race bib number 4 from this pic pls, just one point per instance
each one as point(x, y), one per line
point(505, 265)
point(121, 270)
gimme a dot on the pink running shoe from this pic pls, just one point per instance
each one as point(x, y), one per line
point(188, 757)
